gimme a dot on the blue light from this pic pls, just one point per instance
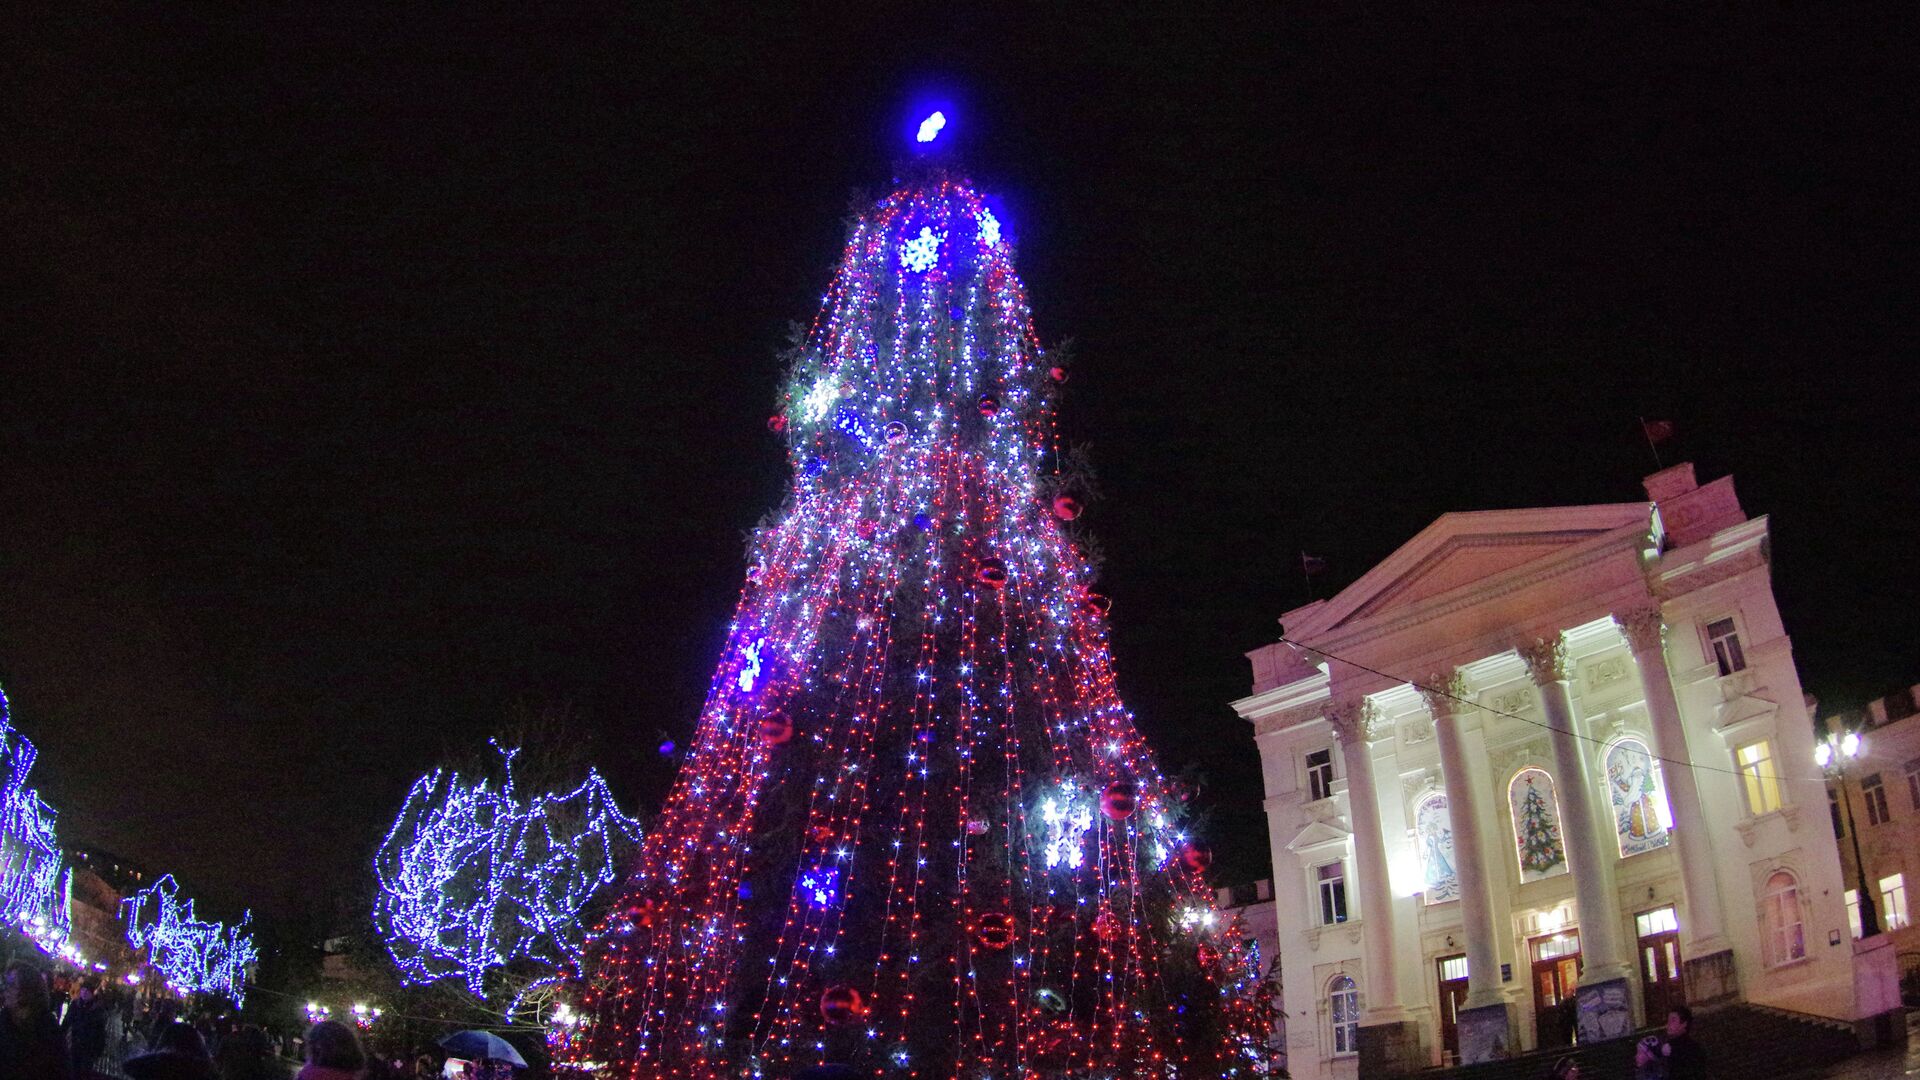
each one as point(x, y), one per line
point(750, 666)
point(930, 127)
point(853, 426)
point(821, 885)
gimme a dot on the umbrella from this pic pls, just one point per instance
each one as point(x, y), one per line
point(483, 1046)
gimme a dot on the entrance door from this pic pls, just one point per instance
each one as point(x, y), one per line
point(1453, 990)
point(1662, 985)
point(1556, 975)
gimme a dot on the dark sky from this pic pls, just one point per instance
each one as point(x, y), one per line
point(368, 370)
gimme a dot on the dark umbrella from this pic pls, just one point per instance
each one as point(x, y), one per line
point(482, 1046)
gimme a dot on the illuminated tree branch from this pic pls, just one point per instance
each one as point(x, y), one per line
point(194, 956)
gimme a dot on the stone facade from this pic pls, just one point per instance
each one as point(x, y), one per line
point(1485, 831)
point(1882, 793)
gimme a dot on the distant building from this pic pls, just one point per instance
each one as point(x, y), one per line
point(1881, 793)
point(101, 880)
point(124, 875)
point(1253, 904)
point(1480, 840)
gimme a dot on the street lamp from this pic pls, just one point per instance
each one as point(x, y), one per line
point(1833, 752)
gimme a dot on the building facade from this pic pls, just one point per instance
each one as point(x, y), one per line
point(1875, 806)
point(1544, 771)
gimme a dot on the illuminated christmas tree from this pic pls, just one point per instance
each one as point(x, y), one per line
point(917, 832)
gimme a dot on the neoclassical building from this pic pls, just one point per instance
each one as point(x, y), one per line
point(1546, 770)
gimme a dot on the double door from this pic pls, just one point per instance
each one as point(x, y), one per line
point(1452, 976)
point(1661, 983)
point(1556, 977)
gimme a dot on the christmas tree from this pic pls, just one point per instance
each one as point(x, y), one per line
point(1540, 849)
point(916, 832)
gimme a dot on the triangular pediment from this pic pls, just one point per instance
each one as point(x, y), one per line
point(1740, 710)
point(1460, 550)
point(1317, 834)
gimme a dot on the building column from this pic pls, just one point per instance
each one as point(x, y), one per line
point(1485, 1021)
point(1605, 996)
point(1705, 933)
point(1389, 1039)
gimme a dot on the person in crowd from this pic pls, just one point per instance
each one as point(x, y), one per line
point(30, 1042)
point(248, 1054)
point(1674, 1056)
point(86, 1027)
point(176, 1052)
point(333, 1053)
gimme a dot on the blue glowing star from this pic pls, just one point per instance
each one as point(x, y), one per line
point(853, 426)
point(750, 665)
point(989, 228)
point(921, 252)
point(821, 885)
point(930, 127)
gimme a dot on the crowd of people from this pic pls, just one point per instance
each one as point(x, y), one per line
point(91, 1031)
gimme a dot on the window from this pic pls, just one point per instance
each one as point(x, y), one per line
point(1724, 641)
point(1332, 879)
point(1658, 921)
point(1762, 787)
point(1780, 912)
point(1343, 1001)
point(1893, 901)
point(1638, 795)
point(1320, 775)
point(1913, 782)
point(1853, 913)
point(1536, 825)
point(1833, 808)
point(1874, 794)
point(1453, 968)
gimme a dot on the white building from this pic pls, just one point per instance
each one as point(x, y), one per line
point(1482, 834)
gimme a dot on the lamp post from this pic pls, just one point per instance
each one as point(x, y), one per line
point(1833, 753)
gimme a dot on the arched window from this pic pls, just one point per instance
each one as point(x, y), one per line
point(1343, 1006)
point(1780, 910)
point(1536, 825)
point(1639, 798)
point(1433, 830)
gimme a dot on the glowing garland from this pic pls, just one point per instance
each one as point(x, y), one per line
point(34, 885)
point(195, 957)
point(473, 876)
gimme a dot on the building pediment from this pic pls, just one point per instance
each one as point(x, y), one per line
point(1740, 711)
point(1460, 551)
point(1317, 834)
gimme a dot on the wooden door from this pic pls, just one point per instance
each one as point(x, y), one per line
point(1661, 983)
point(1452, 975)
point(1556, 977)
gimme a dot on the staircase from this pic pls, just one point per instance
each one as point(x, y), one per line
point(1740, 1040)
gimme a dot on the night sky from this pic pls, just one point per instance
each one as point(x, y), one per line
point(369, 371)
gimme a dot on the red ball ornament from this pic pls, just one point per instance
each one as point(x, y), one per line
point(1106, 926)
point(820, 834)
point(775, 729)
point(866, 529)
point(994, 930)
point(989, 404)
point(1207, 955)
point(1098, 603)
point(641, 912)
point(896, 432)
point(776, 423)
point(1198, 857)
point(1066, 508)
point(842, 1005)
point(978, 827)
point(1119, 799)
point(992, 572)
point(1058, 374)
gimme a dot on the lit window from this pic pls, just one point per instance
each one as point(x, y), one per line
point(1762, 787)
point(1853, 914)
point(1453, 969)
point(1319, 774)
point(1724, 640)
point(1893, 901)
point(1332, 878)
point(1658, 921)
point(1874, 794)
point(1786, 938)
point(1343, 999)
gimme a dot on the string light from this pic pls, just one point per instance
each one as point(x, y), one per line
point(195, 957)
point(35, 888)
point(473, 876)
